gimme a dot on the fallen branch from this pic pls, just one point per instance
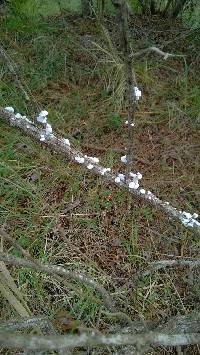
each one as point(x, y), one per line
point(24, 323)
point(109, 303)
point(163, 264)
point(55, 342)
point(189, 323)
point(59, 146)
point(61, 271)
point(156, 50)
point(178, 331)
point(11, 240)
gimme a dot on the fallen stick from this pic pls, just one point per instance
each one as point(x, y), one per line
point(55, 342)
point(163, 264)
point(156, 50)
point(58, 270)
point(59, 146)
point(24, 323)
point(64, 272)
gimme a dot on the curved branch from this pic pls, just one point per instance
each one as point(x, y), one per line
point(61, 271)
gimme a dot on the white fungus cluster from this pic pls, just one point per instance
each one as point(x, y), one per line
point(150, 195)
point(42, 117)
point(10, 109)
point(90, 166)
point(134, 180)
point(18, 115)
point(124, 159)
point(66, 141)
point(105, 170)
point(79, 160)
point(120, 178)
point(132, 124)
point(142, 191)
point(48, 129)
point(93, 159)
point(42, 138)
point(137, 93)
point(189, 220)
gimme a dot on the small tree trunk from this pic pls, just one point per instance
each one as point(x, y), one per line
point(143, 7)
point(122, 13)
point(86, 7)
point(101, 7)
point(153, 7)
point(178, 7)
point(172, 9)
point(166, 10)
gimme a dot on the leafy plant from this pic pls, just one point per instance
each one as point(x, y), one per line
point(114, 121)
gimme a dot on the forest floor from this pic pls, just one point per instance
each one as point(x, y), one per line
point(61, 214)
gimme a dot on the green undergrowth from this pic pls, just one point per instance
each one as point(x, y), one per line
point(107, 235)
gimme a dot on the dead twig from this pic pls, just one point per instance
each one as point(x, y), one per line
point(163, 264)
point(11, 240)
point(156, 50)
point(178, 331)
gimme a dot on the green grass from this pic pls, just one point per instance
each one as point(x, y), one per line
point(108, 236)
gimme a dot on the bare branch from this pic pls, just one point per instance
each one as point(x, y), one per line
point(24, 323)
point(7, 237)
point(55, 342)
point(189, 323)
point(156, 50)
point(178, 331)
point(57, 145)
point(163, 264)
point(120, 315)
point(61, 271)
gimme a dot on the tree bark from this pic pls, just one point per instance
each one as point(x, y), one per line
point(86, 7)
point(172, 9)
point(178, 7)
point(55, 342)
